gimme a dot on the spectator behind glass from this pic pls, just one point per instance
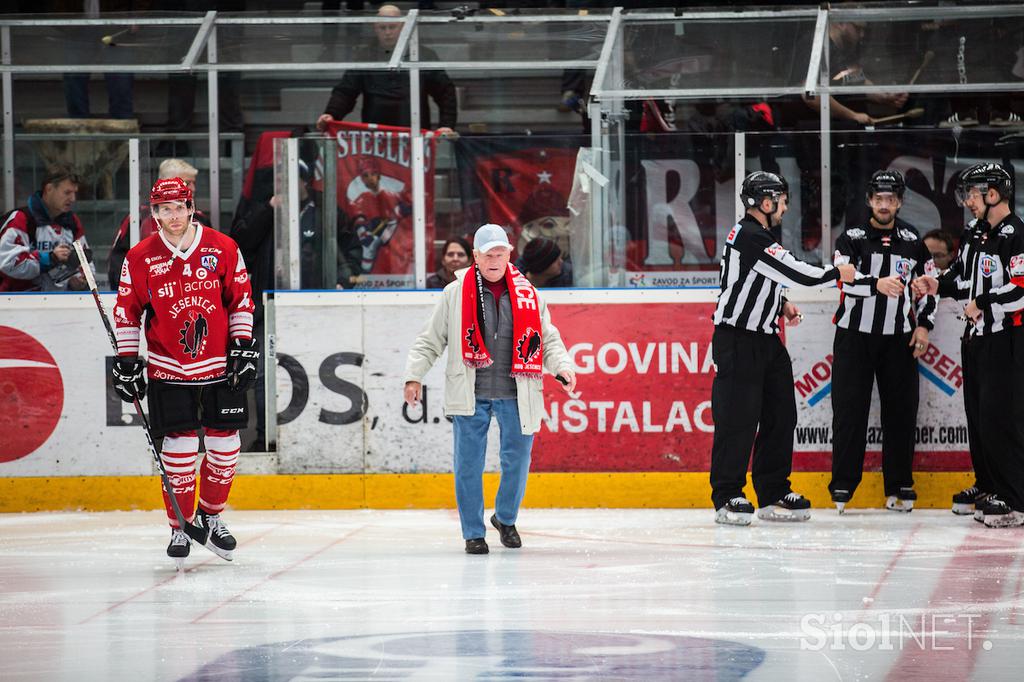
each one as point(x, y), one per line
point(543, 265)
point(455, 255)
point(386, 93)
point(940, 245)
point(169, 168)
point(120, 86)
point(35, 240)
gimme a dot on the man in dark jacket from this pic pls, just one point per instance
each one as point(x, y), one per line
point(386, 93)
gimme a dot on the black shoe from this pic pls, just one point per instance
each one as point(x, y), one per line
point(477, 546)
point(968, 501)
point(180, 544)
point(840, 498)
point(509, 534)
point(179, 547)
point(219, 540)
point(790, 507)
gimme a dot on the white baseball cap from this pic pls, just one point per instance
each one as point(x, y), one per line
point(490, 236)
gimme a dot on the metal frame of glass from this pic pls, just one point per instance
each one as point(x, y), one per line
point(605, 100)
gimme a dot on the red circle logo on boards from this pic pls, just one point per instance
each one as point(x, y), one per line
point(31, 394)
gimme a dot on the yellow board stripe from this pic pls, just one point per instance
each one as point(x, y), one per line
point(436, 491)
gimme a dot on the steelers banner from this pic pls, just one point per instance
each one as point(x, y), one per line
point(374, 192)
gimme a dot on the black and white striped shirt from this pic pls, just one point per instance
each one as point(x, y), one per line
point(989, 269)
point(755, 270)
point(883, 253)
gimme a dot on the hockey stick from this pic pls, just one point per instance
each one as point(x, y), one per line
point(928, 56)
point(198, 535)
point(916, 112)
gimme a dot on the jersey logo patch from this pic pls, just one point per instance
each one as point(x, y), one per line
point(209, 262)
point(903, 267)
point(193, 336)
point(528, 346)
point(856, 233)
point(987, 265)
point(470, 341)
point(1007, 229)
point(907, 235)
point(775, 250)
point(1017, 265)
point(731, 239)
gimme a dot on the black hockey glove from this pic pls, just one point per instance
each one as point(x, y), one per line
point(243, 358)
point(128, 378)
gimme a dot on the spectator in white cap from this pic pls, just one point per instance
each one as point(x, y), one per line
point(505, 340)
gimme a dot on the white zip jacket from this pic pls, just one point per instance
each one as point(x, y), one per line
point(460, 380)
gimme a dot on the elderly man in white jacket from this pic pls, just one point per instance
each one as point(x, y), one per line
point(502, 340)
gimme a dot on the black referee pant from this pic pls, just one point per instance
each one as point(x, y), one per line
point(753, 406)
point(860, 359)
point(997, 367)
point(972, 388)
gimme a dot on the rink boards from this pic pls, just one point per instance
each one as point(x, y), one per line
point(636, 434)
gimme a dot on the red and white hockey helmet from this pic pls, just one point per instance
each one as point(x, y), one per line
point(170, 189)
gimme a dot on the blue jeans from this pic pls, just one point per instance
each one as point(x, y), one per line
point(470, 449)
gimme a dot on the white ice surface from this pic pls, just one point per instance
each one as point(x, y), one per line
point(593, 594)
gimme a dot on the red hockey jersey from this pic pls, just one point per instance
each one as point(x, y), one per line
point(194, 302)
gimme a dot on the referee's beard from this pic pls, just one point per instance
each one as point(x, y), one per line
point(883, 223)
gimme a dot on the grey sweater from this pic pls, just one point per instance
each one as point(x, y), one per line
point(495, 382)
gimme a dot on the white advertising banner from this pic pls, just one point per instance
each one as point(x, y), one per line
point(58, 416)
point(643, 404)
point(941, 424)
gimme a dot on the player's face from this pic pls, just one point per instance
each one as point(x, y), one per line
point(494, 263)
point(174, 217)
point(60, 197)
point(940, 254)
point(455, 258)
point(884, 206)
point(371, 179)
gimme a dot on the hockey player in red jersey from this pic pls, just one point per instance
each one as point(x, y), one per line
point(188, 287)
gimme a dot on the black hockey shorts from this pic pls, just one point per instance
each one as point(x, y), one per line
point(174, 407)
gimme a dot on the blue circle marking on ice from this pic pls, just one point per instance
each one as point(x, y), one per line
point(487, 654)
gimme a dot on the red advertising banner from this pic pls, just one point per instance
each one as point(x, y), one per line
point(645, 373)
point(644, 404)
point(374, 175)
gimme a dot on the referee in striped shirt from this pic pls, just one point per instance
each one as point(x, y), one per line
point(880, 333)
point(989, 274)
point(752, 399)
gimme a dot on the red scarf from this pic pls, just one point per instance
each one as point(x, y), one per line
point(527, 349)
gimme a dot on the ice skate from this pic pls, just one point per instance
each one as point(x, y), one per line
point(997, 514)
point(179, 548)
point(902, 501)
point(840, 498)
point(219, 539)
point(965, 501)
point(981, 504)
point(791, 507)
point(736, 512)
